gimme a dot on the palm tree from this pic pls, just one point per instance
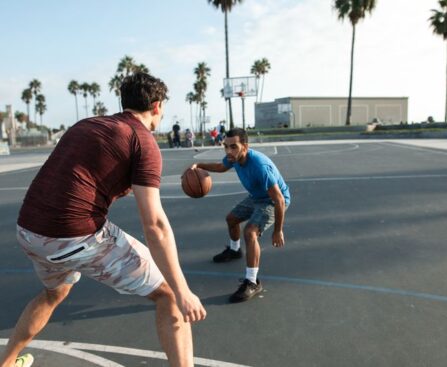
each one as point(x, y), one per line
point(438, 22)
point(73, 88)
point(41, 107)
point(202, 72)
point(115, 84)
point(99, 109)
point(126, 65)
point(35, 86)
point(226, 6)
point(354, 10)
point(95, 91)
point(27, 96)
point(141, 68)
point(85, 88)
point(260, 67)
point(190, 98)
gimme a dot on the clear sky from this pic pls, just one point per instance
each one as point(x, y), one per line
point(308, 47)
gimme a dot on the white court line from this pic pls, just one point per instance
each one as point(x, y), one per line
point(309, 179)
point(76, 350)
point(412, 147)
point(355, 147)
point(59, 347)
point(13, 188)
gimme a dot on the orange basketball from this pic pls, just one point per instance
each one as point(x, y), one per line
point(196, 183)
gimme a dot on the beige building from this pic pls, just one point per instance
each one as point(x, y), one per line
point(300, 112)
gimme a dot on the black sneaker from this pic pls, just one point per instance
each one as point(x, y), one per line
point(227, 255)
point(246, 291)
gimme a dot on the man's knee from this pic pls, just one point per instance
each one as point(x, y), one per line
point(162, 293)
point(57, 295)
point(251, 232)
point(232, 220)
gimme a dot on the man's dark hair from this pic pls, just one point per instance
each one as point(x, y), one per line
point(140, 90)
point(237, 131)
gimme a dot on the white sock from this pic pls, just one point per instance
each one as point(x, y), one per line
point(235, 245)
point(251, 274)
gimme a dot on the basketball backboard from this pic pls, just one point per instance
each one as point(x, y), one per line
point(246, 86)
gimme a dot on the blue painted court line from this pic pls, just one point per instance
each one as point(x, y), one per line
point(320, 283)
point(323, 283)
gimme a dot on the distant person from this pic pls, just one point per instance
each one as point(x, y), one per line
point(265, 205)
point(169, 137)
point(213, 136)
point(176, 133)
point(67, 233)
point(189, 138)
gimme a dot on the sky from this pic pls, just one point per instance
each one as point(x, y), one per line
point(308, 47)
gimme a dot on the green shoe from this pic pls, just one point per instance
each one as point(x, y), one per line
point(24, 361)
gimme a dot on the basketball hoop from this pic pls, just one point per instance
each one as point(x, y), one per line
point(241, 94)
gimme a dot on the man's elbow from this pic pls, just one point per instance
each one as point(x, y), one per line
point(155, 232)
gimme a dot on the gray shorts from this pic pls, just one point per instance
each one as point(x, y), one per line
point(260, 212)
point(109, 256)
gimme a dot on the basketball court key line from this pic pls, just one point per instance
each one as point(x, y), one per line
point(77, 350)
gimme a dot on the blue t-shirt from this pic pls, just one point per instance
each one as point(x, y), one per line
point(258, 174)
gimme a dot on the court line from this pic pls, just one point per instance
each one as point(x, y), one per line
point(323, 283)
point(414, 147)
point(77, 350)
point(61, 348)
point(310, 179)
point(316, 282)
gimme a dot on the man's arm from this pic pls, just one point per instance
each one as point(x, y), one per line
point(212, 167)
point(161, 242)
point(280, 208)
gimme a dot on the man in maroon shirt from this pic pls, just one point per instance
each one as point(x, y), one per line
point(64, 230)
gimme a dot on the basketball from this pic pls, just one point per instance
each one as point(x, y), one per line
point(196, 183)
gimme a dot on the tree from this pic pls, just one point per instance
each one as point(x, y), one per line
point(226, 6)
point(354, 10)
point(73, 88)
point(202, 72)
point(438, 22)
point(41, 107)
point(99, 109)
point(85, 88)
point(35, 86)
point(95, 91)
point(190, 98)
point(27, 96)
point(126, 66)
point(258, 69)
point(114, 85)
point(20, 116)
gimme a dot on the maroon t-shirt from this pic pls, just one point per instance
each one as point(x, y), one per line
point(96, 161)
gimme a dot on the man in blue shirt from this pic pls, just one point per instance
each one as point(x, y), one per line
point(265, 205)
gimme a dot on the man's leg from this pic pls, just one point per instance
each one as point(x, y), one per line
point(32, 320)
point(232, 251)
point(251, 234)
point(175, 334)
point(234, 229)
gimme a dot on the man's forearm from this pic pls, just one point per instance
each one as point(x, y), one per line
point(161, 243)
point(212, 167)
point(280, 209)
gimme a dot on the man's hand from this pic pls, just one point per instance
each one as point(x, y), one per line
point(278, 239)
point(193, 166)
point(191, 308)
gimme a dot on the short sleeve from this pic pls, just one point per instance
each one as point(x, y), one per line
point(146, 160)
point(268, 178)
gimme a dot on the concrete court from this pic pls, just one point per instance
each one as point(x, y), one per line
point(361, 281)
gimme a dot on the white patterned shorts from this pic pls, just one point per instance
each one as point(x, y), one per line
point(110, 256)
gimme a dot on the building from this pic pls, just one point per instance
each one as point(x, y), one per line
point(301, 112)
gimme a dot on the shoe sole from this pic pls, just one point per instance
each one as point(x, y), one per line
point(240, 300)
point(226, 260)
